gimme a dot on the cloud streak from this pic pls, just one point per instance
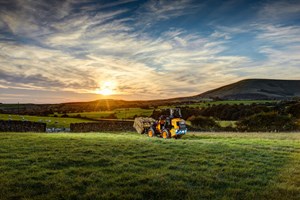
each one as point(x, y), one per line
point(75, 47)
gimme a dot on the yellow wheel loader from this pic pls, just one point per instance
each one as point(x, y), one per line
point(172, 126)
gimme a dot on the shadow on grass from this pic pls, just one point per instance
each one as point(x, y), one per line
point(120, 166)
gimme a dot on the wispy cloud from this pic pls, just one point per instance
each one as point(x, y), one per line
point(279, 11)
point(280, 45)
point(74, 47)
point(164, 9)
point(155, 11)
point(279, 34)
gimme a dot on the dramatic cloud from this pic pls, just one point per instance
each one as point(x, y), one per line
point(148, 49)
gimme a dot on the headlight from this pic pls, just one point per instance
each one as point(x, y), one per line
point(181, 131)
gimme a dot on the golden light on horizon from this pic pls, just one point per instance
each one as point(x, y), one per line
point(107, 88)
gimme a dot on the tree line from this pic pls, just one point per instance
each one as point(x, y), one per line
point(278, 116)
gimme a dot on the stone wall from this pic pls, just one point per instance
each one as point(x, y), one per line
point(102, 126)
point(21, 126)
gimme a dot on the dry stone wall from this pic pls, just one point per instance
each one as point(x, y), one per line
point(21, 126)
point(102, 126)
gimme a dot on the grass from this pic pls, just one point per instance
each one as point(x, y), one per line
point(126, 113)
point(224, 123)
point(93, 115)
point(132, 166)
point(121, 113)
point(52, 122)
point(230, 102)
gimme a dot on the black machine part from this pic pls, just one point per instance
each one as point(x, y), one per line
point(175, 113)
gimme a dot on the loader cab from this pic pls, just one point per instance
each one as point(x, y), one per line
point(181, 124)
point(175, 113)
point(164, 122)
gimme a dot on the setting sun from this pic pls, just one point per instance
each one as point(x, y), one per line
point(106, 88)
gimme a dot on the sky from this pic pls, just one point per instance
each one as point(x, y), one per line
point(62, 51)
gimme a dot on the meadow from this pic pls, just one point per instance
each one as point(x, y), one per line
point(57, 120)
point(229, 102)
point(129, 113)
point(52, 122)
point(120, 113)
point(133, 166)
point(90, 115)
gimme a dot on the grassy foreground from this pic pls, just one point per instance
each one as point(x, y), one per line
point(131, 166)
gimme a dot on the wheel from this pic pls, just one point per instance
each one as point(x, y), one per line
point(178, 136)
point(165, 134)
point(151, 132)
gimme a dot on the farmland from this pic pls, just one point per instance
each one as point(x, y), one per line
point(129, 113)
point(131, 166)
point(52, 122)
point(225, 113)
point(229, 102)
point(120, 113)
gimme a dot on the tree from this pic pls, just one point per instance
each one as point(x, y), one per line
point(269, 122)
point(65, 115)
point(144, 107)
point(204, 123)
point(294, 110)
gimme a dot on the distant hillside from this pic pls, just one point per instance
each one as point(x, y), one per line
point(255, 89)
point(249, 89)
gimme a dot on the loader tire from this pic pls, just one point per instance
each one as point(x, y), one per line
point(166, 134)
point(178, 136)
point(151, 132)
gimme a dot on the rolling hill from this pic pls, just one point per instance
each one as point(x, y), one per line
point(254, 89)
point(248, 89)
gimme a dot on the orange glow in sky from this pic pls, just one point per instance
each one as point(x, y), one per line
point(107, 88)
point(70, 51)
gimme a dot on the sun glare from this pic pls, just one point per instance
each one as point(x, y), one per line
point(106, 88)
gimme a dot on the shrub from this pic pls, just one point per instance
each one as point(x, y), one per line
point(144, 107)
point(294, 110)
point(112, 116)
point(270, 122)
point(204, 123)
point(65, 115)
point(78, 116)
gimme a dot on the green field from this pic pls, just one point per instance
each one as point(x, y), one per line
point(92, 115)
point(126, 113)
point(52, 122)
point(129, 113)
point(224, 123)
point(121, 113)
point(229, 102)
point(132, 166)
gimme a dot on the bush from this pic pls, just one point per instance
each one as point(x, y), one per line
point(144, 107)
point(204, 123)
point(65, 115)
point(294, 110)
point(269, 122)
point(112, 116)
